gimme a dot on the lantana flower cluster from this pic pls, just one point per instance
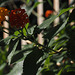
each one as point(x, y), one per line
point(3, 12)
point(17, 18)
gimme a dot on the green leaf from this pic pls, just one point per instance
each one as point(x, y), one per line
point(28, 46)
point(47, 22)
point(25, 29)
point(16, 33)
point(31, 30)
point(28, 1)
point(2, 66)
point(72, 16)
point(2, 2)
point(61, 70)
point(29, 10)
point(62, 26)
point(51, 31)
point(31, 66)
point(49, 1)
point(5, 41)
point(62, 37)
point(12, 48)
point(36, 4)
point(67, 70)
point(17, 69)
point(21, 54)
point(60, 44)
point(47, 63)
point(65, 10)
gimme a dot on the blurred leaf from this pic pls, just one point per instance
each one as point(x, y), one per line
point(13, 46)
point(16, 33)
point(62, 26)
point(17, 57)
point(39, 71)
point(36, 4)
point(71, 17)
point(51, 42)
point(17, 69)
point(5, 41)
point(61, 38)
point(51, 31)
point(65, 10)
point(47, 22)
point(68, 69)
point(28, 46)
point(28, 1)
point(60, 44)
point(1, 1)
point(61, 70)
point(49, 1)
point(31, 30)
point(56, 57)
point(2, 66)
point(30, 9)
point(47, 63)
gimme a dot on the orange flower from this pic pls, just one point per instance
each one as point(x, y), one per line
point(18, 18)
point(48, 13)
point(3, 12)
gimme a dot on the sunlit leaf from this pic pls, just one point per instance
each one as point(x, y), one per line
point(25, 29)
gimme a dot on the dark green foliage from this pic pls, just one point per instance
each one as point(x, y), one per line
point(71, 43)
point(5, 41)
point(48, 73)
point(56, 56)
point(71, 17)
point(31, 65)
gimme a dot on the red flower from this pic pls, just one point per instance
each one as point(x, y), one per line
point(3, 12)
point(48, 13)
point(18, 18)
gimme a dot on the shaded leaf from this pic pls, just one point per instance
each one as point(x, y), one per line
point(20, 55)
point(30, 66)
point(47, 22)
point(29, 10)
point(31, 30)
point(12, 48)
point(61, 27)
point(72, 16)
point(2, 66)
point(5, 41)
point(17, 69)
